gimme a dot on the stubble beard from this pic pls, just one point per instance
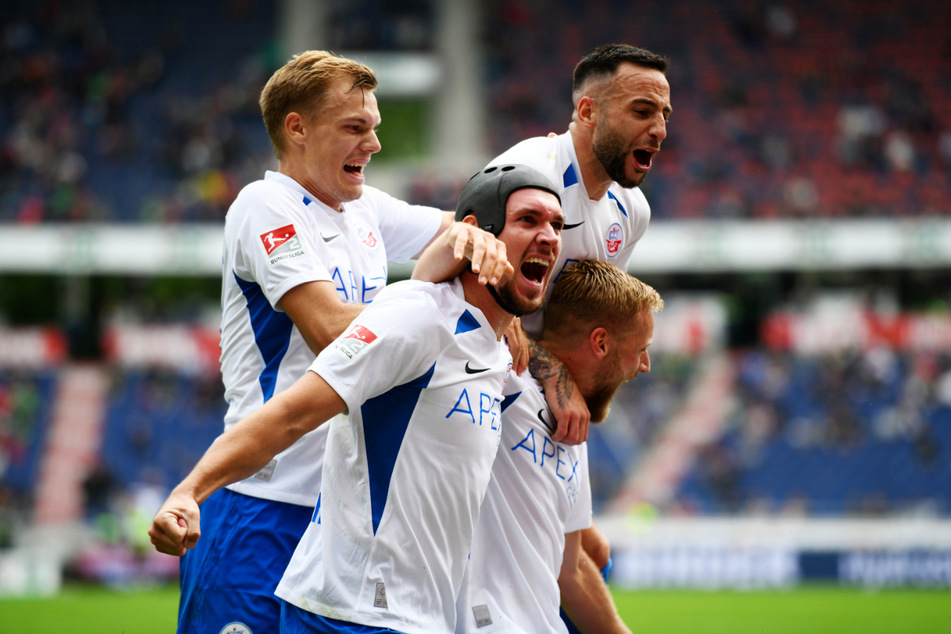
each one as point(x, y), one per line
point(508, 301)
point(599, 402)
point(599, 398)
point(609, 148)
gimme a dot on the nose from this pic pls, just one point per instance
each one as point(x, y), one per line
point(659, 128)
point(547, 234)
point(372, 143)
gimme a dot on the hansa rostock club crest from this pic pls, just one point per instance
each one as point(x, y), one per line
point(613, 239)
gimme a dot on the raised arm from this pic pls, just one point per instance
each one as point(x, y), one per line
point(585, 597)
point(240, 453)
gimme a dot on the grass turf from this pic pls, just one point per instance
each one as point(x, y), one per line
point(809, 609)
point(816, 610)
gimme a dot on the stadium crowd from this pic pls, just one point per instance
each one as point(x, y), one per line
point(792, 109)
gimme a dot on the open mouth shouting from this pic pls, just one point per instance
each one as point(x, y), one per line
point(535, 269)
point(643, 157)
point(355, 169)
point(523, 293)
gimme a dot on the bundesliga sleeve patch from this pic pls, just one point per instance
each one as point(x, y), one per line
point(282, 243)
point(354, 341)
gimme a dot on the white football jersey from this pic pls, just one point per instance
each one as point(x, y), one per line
point(605, 229)
point(538, 492)
point(422, 373)
point(276, 237)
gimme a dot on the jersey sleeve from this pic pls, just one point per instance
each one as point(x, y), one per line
point(406, 229)
point(273, 245)
point(395, 340)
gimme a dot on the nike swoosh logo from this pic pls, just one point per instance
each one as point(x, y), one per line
point(577, 224)
point(545, 422)
point(326, 239)
point(474, 370)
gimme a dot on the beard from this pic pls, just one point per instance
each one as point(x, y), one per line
point(611, 151)
point(511, 303)
point(599, 397)
point(599, 401)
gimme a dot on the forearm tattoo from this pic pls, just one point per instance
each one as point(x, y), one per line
point(551, 372)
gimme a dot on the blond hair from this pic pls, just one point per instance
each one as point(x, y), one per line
point(592, 293)
point(302, 85)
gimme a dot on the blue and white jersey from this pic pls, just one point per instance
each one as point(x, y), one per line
point(606, 229)
point(422, 373)
point(276, 237)
point(539, 491)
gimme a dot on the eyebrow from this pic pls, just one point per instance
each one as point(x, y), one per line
point(361, 120)
point(535, 211)
point(667, 110)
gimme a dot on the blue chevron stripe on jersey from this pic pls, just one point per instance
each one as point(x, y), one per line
point(570, 177)
point(508, 400)
point(385, 419)
point(618, 203)
point(466, 323)
point(272, 333)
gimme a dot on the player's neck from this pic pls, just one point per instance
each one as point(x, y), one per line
point(480, 297)
point(294, 171)
point(593, 177)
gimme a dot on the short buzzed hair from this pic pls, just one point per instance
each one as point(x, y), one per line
point(603, 62)
point(301, 85)
point(591, 293)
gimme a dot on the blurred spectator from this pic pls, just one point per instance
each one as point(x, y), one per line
point(82, 142)
point(799, 114)
point(98, 490)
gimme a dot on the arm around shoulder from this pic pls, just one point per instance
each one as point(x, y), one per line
point(461, 246)
point(561, 393)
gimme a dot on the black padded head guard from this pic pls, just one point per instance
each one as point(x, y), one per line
point(487, 192)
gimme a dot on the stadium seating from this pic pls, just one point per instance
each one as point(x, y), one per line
point(158, 424)
point(130, 113)
point(830, 437)
point(780, 112)
point(26, 398)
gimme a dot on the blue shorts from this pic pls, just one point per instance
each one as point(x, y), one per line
point(229, 578)
point(297, 621)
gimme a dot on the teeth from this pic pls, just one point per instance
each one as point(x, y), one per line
point(538, 261)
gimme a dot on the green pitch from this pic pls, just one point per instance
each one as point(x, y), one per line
point(812, 610)
point(805, 610)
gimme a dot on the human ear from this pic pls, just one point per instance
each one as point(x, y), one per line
point(599, 340)
point(587, 111)
point(294, 127)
